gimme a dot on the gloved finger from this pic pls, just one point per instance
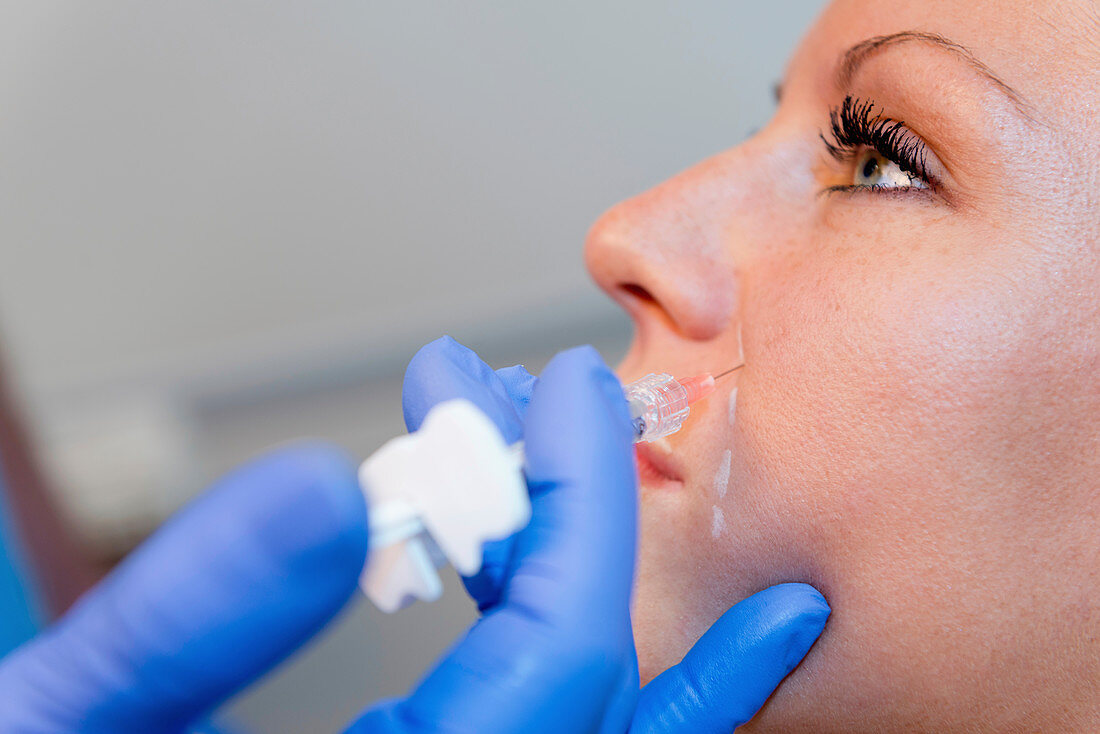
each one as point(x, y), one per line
point(520, 384)
point(219, 595)
point(552, 654)
point(485, 586)
point(445, 370)
point(732, 670)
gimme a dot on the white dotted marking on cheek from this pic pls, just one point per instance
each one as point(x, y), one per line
point(722, 476)
point(717, 522)
point(733, 406)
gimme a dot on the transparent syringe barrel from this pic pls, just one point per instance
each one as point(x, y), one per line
point(658, 405)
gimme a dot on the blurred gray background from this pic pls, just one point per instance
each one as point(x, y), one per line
point(228, 224)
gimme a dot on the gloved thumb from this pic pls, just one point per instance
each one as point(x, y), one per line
point(219, 595)
point(736, 665)
point(445, 370)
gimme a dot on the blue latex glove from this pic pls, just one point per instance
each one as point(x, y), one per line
point(222, 593)
point(732, 670)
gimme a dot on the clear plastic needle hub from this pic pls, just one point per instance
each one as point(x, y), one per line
point(659, 403)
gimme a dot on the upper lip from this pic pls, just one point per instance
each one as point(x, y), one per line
point(663, 462)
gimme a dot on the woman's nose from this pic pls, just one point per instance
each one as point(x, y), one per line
point(666, 254)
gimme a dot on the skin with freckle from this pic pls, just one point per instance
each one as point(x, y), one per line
point(917, 425)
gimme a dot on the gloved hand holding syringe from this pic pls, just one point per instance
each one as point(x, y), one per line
point(439, 494)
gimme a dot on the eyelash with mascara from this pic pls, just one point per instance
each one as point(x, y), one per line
point(855, 125)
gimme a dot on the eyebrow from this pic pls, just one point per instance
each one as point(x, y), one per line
point(855, 56)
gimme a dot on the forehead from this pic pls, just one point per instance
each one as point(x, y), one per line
point(1048, 51)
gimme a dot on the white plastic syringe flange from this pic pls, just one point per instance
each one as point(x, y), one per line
point(444, 490)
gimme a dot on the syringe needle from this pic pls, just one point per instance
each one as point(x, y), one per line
point(731, 369)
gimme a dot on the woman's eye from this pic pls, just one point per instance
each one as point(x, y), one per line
point(874, 170)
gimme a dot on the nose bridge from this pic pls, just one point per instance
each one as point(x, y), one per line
point(679, 244)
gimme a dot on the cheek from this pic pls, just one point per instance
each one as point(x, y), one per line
point(872, 430)
point(879, 367)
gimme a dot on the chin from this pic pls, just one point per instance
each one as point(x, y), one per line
point(686, 579)
point(665, 612)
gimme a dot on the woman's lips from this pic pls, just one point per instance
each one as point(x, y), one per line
point(655, 466)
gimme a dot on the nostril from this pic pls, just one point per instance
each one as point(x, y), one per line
point(643, 305)
point(638, 292)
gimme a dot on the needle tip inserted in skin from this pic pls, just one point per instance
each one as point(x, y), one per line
point(730, 370)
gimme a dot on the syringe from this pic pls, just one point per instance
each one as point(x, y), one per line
point(438, 494)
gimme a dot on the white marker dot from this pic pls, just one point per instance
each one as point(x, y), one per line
point(733, 406)
point(722, 476)
point(717, 522)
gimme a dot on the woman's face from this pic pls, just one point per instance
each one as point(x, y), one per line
point(916, 430)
